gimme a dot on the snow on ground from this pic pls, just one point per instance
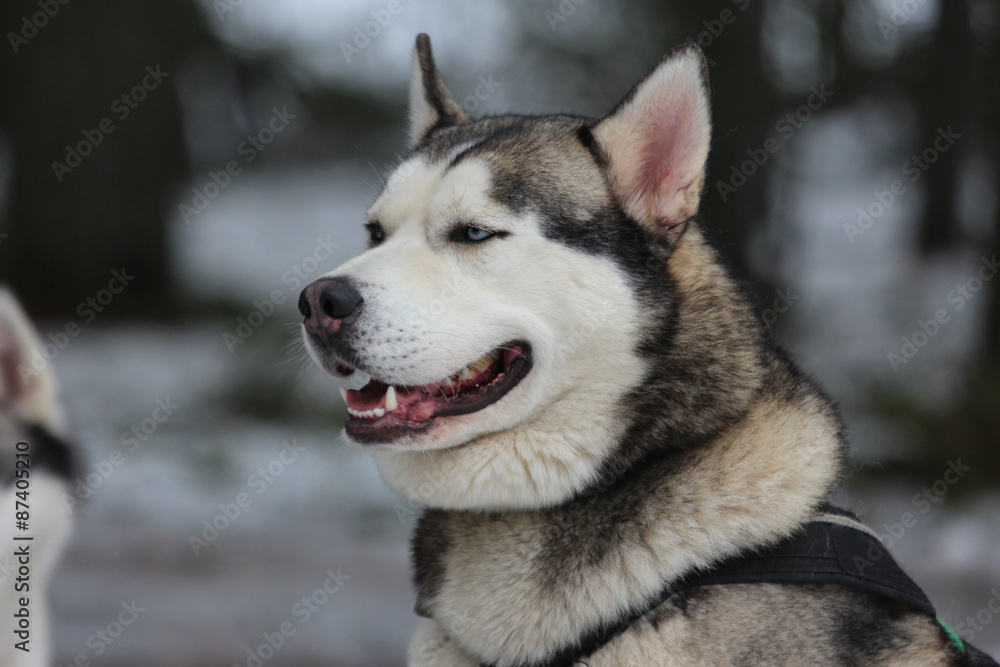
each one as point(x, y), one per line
point(316, 507)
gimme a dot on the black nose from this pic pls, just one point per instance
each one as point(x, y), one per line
point(326, 303)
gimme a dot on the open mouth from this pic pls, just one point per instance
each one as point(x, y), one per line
point(381, 412)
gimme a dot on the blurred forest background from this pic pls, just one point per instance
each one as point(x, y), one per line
point(222, 152)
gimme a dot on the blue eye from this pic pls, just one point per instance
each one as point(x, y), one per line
point(466, 233)
point(476, 235)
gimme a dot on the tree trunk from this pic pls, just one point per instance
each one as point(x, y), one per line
point(92, 121)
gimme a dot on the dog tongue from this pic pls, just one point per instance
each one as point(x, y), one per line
point(369, 397)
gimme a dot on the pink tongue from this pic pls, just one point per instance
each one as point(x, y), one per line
point(368, 398)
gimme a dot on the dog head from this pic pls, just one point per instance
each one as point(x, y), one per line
point(515, 265)
point(29, 407)
point(28, 391)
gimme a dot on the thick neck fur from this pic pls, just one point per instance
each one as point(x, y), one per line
point(728, 448)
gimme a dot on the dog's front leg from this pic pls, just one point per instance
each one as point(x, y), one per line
point(433, 647)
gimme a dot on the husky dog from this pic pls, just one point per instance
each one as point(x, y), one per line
point(540, 346)
point(35, 465)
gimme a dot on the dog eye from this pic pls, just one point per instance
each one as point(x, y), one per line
point(375, 233)
point(475, 234)
point(472, 234)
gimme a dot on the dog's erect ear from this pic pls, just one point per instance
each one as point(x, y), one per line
point(27, 383)
point(431, 104)
point(655, 142)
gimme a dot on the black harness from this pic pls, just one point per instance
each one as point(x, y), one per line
point(834, 548)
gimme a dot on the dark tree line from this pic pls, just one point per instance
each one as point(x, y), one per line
point(95, 144)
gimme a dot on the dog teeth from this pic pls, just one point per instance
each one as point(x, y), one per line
point(472, 369)
point(483, 363)
point(366, 414)
point(343, 394)
point(391, 403)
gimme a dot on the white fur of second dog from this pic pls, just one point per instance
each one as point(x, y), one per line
point(27, 398)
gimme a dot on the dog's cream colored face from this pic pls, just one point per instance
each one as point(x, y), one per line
point(433, 305)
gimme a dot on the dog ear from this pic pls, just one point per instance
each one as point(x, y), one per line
point(431, 104)
point(27, 383)
point(655, 142)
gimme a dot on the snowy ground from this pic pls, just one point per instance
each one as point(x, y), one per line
point(322, 508)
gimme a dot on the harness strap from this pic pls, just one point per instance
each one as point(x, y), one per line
point(833, 548)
